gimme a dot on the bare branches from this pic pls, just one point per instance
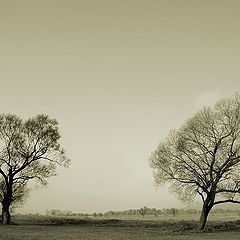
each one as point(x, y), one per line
point(227, 201)
point(221, 190)
point(201, 194)
point(204, 152)
point(203, 157)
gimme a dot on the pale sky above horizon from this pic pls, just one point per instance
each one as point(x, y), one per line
point(117, 75)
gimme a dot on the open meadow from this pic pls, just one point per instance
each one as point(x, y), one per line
point(160, 228)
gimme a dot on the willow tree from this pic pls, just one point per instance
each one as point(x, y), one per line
point(203, 157)
point(29, 150)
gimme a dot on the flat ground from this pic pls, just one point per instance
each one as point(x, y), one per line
point(107, 233)
point(46, 228)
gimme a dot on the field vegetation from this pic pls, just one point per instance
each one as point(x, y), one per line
point(161, 227)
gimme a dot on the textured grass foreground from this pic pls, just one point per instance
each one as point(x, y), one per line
point(106, 229)
point(99, 233)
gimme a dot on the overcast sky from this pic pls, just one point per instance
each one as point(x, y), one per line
point(117, 75)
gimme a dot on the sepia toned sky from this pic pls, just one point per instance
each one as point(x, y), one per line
point(117, 75)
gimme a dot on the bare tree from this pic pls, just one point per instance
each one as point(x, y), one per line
point(28, 150)
point(203, 157)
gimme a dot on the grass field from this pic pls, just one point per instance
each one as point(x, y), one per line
point(99, 233)
point(46, 228)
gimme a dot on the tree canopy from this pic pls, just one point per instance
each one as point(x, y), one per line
point(203, 157)
point(28, 150)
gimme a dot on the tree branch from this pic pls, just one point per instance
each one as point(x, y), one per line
point(227, 201)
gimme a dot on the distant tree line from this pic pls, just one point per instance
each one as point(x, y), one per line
point(144, 211)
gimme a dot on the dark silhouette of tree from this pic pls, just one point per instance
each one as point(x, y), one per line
point(174, 212)
point(28, 150)
point(143, 211)
point(203, 157)
point(20, 192)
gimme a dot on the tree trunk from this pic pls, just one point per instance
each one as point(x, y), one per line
point(203, 218)
point(206, 208)
point(6, 215)
point(6, 203)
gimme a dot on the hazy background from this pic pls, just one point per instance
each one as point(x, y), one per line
point(117, 75)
